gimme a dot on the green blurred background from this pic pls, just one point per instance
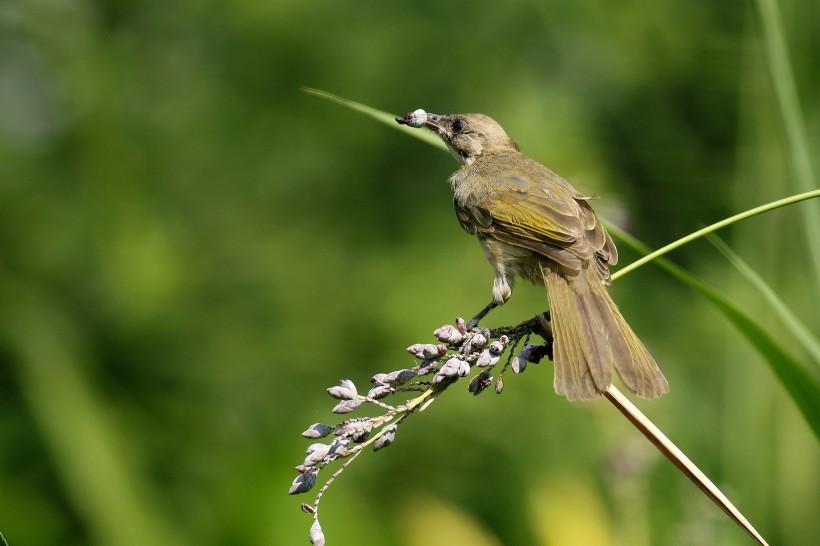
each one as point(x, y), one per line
point(192, 250)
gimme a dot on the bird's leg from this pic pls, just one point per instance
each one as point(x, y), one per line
point(502, 290)
point(473, 322)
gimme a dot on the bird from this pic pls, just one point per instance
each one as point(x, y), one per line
point(533, 224)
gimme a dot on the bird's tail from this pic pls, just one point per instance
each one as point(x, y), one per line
point(590, 336)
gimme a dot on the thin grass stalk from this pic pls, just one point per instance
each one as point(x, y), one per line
point(680, 460)
point(785, 89)
point(714, 227)
point(807, 339)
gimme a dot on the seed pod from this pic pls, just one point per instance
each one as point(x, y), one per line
point(533, 353)
point(428, 366)
point(415, 349)
point(317, 430)
point(346, 390)
point(353, 427)
point(337, 445)
point(385, 439)
point(317, 537)
point(424, 351)
point(478, 341)
point(519, 363)
point(444, 333)
point(303, 482)
point(461, 326)
point(356, 430)
point(316, 454)
point(449, 334)
point(399, 377)
point(379, 379)
point(346, 406)
point(451, 368)
point(380, 391)
point(416, 118)
point(480, 382)
point(439, 378)
point(307, 508)
point(487, 358)
point(318, 446)
point(496, 347)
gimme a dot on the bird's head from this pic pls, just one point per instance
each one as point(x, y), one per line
point(468, 136)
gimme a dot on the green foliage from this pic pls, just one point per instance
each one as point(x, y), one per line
point(809, 341)
point(192, 249)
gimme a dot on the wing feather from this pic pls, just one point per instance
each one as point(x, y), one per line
point(532, 207)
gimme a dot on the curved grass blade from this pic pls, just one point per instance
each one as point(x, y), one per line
point(806, 338)
point(802, 386)
point(378, 115)
point(714, 227)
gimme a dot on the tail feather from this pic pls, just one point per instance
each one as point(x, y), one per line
point(573, 381)
point(591, 336)
point(594, 339)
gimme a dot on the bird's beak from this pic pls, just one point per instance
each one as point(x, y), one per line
point(420, 118)
point(432, 123)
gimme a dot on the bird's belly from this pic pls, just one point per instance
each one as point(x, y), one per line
point(512, 261)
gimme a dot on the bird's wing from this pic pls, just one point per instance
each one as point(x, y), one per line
point(534, 208)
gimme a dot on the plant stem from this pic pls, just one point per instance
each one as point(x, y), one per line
point(714, 227)
point(680, 460)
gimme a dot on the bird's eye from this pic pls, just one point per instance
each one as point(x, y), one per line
point(458, 125)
